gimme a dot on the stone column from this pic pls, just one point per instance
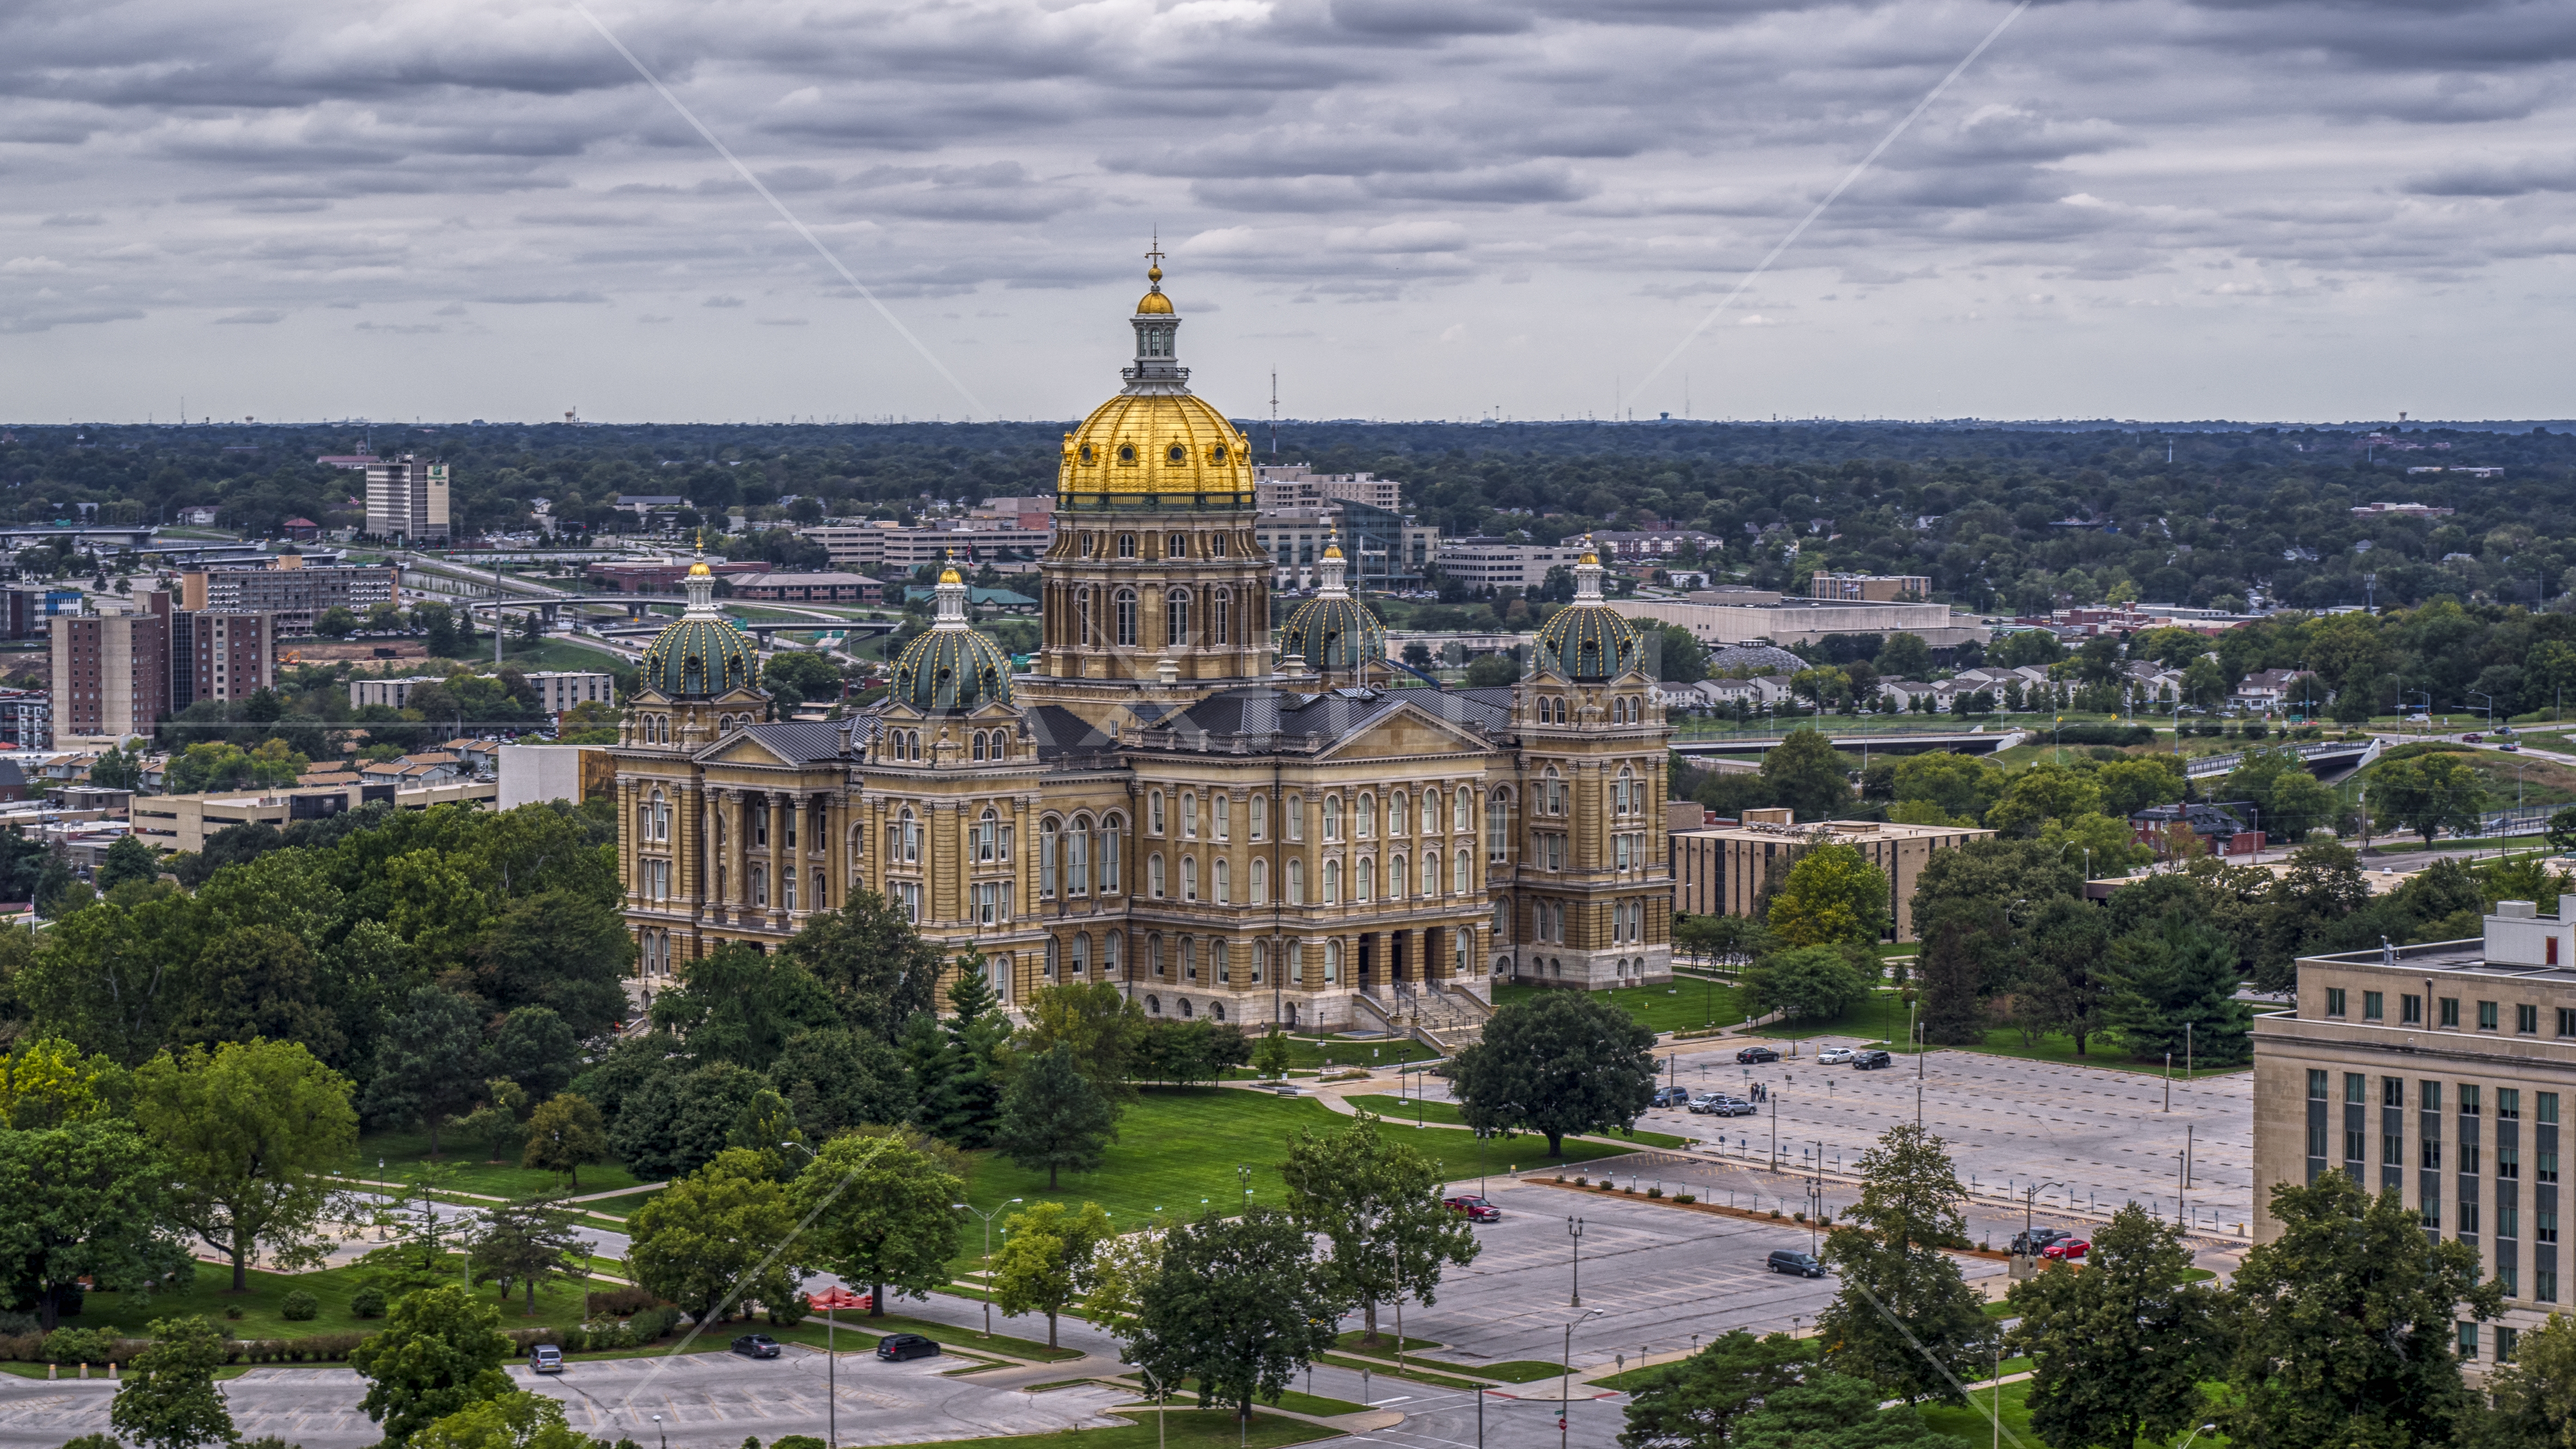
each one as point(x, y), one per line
point(628, 790)
point(737, 855)
point(781, 859)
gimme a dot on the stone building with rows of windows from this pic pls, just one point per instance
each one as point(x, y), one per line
point(1219, 822)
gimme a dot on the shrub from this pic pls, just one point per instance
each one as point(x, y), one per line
point(1654, 1192)
point(76, 1345)
point(618, 1302)
point(232, 1310)
point(1800, 1215)
point(13, 1325)
point(1578, 1182)
point(1775, 1213)
point(1685, 1197)
point(300, 1307)
point(367, 1302)
point(797, 1441)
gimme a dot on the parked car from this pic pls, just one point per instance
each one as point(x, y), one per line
point(756, 1345)
point(1753, 1054)
point(2066, 1250)
point(1872, 1060)
point(2038, 1238)
point(1672, 1097)
point(1803, 1265)
point(2474, 738)
point(545, 1358)
point(1473, 1209)
point(2510, 748)
point(896, 1347)
point(1833, 1056)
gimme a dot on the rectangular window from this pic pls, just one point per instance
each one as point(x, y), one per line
point(2432, 1158)
point(2566, 1021)
point(2544, 1165)
point(2451, 1012)
point(2507, 1337)
point(2508, 1220)
point(2487, 1015)
point(2410, 1010)
point(2334, 1001)
point(2468, 1099)
point(2544, 1285)
point(2469, 1161)
point(2544, 1224)
point(2316, 1139)
point(2545, 1107)
point(2430, 1217)
point(2468, 1218)
point(2352, 1147)
point(2374, 1006)
point(2508, 1104)
point(2316, 1088)
point(2429, 1097)
point(2392, 1149)
point(2508, 1161)
point(2356, 1088)
point(2392, 1091)
point(2526, 1019)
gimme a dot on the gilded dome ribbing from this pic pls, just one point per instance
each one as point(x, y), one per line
point(1588, 641)
point(953, 667)
point(701, 655)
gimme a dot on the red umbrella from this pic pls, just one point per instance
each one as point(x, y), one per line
point(835, 1299)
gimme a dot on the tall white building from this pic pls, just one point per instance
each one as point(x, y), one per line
point(407, 498)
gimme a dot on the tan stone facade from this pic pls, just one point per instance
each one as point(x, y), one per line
point(1720, 870)
point(2443, 1072)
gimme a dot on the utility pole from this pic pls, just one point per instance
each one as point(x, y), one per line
point(1574, 1230)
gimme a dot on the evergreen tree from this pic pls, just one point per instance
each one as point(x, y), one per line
point(1887, 1251)
point(1053, 1117)
point(2172, 974)
point(964, 1103)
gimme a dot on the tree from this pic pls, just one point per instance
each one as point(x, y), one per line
point(1272, 1056)
point(1805, 773)
point(1100, 1024)
point(1684, 660)
point(881, 1204)
point(1887, 1251)
point(118, 769)
point(336, 622)
point(1905, 656)
point(1121, 1267)
point(2118, 1349)
point(169, 1399)
point(2062, 961)
point(1378, 1204)
point(517, 1420)
point(2138, 782)
point(836, 1079)
point(1238, 1304)
point(1560, 1062)
point(259, 981)
point(441, 1351)
point(128, 859)
point(430, 1062)
point(247, 1133)
point(1729, 941)
point(563, 1133)
point(737, 1004)
point(2172, 974)
point(1045, 1262)
point(2535, 1395)
point(2344, 1324)
point(524, 1244)
point(1833, 894)
point(870, 961)
point(79, 1201)
point(1815, 982)
point(1697, 1403)
point(2427, 794)
point(1961, 787)
point(535, 1049)
point(1493, 671)
point(1053, 1117)
point(795, 677)
point(2562, 830)
point(708, 1241)
point(962, 1102)
point(2042, 793)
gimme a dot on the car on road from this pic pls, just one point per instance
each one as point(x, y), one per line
point(1804, 1265)
point(1834, 1056)
point(1473, 1209)
point(896, 1347)
point(1672, 1097)
point(1752, 1054)
point(2509, 747)
point(2038, 1238)
point(545, 1358)
point(1718, 1104)
point(2066, 1250)
point(1871, 1060)
point(756, 1345)
point(2473, 738)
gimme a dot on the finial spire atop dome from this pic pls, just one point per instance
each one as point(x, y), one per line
point(1587, 574)
point(1157, 369)
point(700, 585)
point(951, 593)
point(1331, 570)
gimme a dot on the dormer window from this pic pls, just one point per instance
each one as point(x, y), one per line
point(1126, 452)
point(1178, 454)
point(1086, 452)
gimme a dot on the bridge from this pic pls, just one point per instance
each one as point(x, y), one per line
point(1963, 742)
point(2335, 757)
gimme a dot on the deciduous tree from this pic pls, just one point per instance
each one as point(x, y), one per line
point(1905, 1319)
point(169, 1399)
point(430, 1063)
point(1560, 1062)
point(247, 1132)
point(1102, 1026)
point(564, 1133)
point(1808, 775)
point(1832, 895)
point(440, 1352)
point(2120, 1347)
point(80, 1201)
point(709, 1240)
point(1815, 982)
point(874, 966)
point(882, 1205)
point(1054, 1117)
point(1377, 1202)
point(1238, 1304)
point(1045, 1262)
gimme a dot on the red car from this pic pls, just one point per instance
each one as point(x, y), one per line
point(1476, 1209)
point(2066, 1250)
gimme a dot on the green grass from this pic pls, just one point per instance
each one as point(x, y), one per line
point(1186, 1394)
point(1180, 1429)
point(1319, 1053)
point(1413, 1372)
point(555, 654)
point(1682, 1006)
point(1873, 1018)
point(1356, 1341)
point(621, 1206)
point(1971, 1423)
point(1179, 1145)
point(460, 1168)
point(1403, 1109)
point(558, 1304)
point(1518, 1370)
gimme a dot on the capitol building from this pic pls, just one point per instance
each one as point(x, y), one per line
point(1219, 818)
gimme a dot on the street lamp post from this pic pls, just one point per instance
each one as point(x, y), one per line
point(1574, 1231)
point(1565, 1380)
point(988, 1255)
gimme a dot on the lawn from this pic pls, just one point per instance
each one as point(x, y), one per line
point(1874, 1018)
point(621, 1206)
point(556, 654)
point(1682, 1006)
point(1405, 1109)
point(1179, 1149)
point(460, 1167)
point(558, 1304)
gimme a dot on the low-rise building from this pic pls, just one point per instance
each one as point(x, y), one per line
point(1653, 545)
point(1806, 621)
point(182, 822)
point(661, 576)
point(1298, 485)
point(825, 587)
point(560, 689)
point(1722, 870)
point(26, 719)
point(286, 587)
point(1490, 563)
point(1869, 588)
point(1382, 549)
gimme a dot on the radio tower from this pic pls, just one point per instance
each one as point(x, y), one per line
point(1274, 415)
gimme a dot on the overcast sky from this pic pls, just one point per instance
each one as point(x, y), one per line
point(1408, 208)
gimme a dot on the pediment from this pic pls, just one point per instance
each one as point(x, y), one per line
point(1407, 730)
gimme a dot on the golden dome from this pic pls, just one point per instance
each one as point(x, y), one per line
point(1154, 302)
point(1160, 443)
point(948, 575)
point(699, 569)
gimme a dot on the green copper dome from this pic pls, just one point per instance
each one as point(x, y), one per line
point(952, 667)
point(1332, 634)
point(1588, 641)
point(701, 658)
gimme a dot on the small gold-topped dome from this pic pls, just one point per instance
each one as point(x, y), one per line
point(699, 569)
point(1154, 302)
point(1333, 547)
point(948, 575)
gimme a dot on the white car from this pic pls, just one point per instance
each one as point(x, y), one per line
point(1833, 1056)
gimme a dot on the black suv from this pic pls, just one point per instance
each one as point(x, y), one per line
point(895, 1347)
point(1870, 1061)
point(1753, 1054)
point(756, 1345)
point(1800, 1264)
point(1672, 1096)
point(2026, 1244)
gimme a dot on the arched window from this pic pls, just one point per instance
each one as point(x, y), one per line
point(1082, 611)
point(905, 839)
point(1498, 811)
point(1154, 876)
point(1332, 818)
point(759, 885)
point(1365, 880)
point(1189, 814)
point(1189, 878)
point(787, 886)
point(1296, 882)
point(1221, 880)
point(1332, 882)
point(1127, 541)
point(1109, 855)
point(1431, 812)
point(1154, 954)
point(1462, 876)
point(1364, 819)
point(1110, 951)
point(1153, 1005)
point(1081, 955)
point(1189, 958)
point(1260, 881)
point(1296, 963)
point(1185, 1008)
point(1176, 618)
point(1332, 960)
point(1629, 797)
point(1397, 821)
point(1260, 961)
point(1431, 872)
point(1293, 815)
point(1220, 620)
point(822, 896)
point(988, 838)
point(1153, 812)
point(1124, 610)
point(1220, 818)
point(1261, 817)
point(1462, 815)
point(1220, 964)
point(1395, 878)
point(976, 746)
point(1046, 858)
point(1216, 1011)
point(1077, 857)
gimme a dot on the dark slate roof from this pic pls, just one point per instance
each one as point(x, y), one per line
point(1334, 713)
point(803, 741)
point(1059, 732)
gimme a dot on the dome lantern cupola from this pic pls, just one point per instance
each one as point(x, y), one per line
point(953, 666)
point(1334, 633)
point(701, 655)
point(1155, 444)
